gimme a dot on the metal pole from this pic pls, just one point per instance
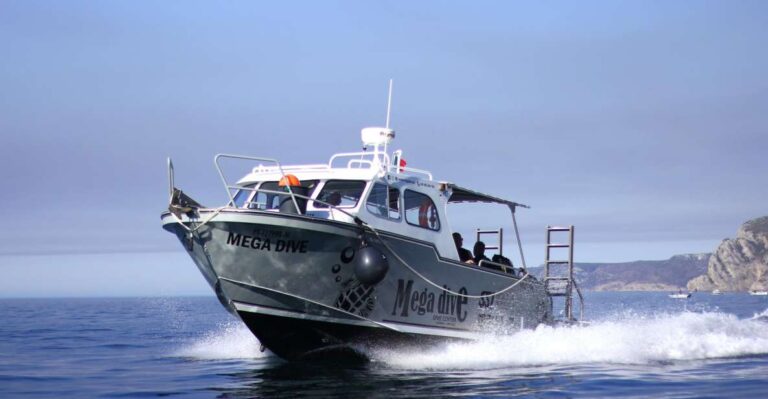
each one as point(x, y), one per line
point(570, 274)
point(546, 254)
point(389, 103)
point(501, 241)
point(171, 183)
point(517, 234)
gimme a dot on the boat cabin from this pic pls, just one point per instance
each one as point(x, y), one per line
point(374, 186)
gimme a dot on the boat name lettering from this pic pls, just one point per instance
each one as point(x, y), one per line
point(265, 244)
point(449, 306)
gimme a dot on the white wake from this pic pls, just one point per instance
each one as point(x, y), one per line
point(231, 340)
point(625, 340)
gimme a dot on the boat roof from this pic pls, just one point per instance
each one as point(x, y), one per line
point(459, 194)
point(367, 165)
point(462, 194)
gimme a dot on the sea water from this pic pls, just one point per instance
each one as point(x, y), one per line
point(636, 345)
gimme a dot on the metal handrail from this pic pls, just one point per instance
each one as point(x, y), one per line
point(267, 169)
point(490, 262)
point(306, 197)
point(384, 156)
point(250, 158)
point(499, 233)
point(581, 300)
point(359, 161)
point(398, 169)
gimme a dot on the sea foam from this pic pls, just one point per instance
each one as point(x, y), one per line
point(231, 340)
point(626, 339)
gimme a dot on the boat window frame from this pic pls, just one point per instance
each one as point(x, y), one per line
point(258, 186)
point(323, 207)
point(437, 211)
point(248, 190)
point(389, 189)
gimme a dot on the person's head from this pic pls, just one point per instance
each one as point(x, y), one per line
point(457, 239)
point(334, 198)
point(479, 249)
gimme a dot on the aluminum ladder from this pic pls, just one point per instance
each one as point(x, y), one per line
point(558, 274)
point(499, 235)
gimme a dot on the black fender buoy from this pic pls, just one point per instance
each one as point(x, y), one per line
point(370, 265)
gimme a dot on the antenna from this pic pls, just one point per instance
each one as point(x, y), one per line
point(389, 102)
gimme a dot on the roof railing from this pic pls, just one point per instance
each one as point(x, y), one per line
point(413, 171)
point(307, 198)
point(228, 187)
point(372, 158)
point(269, 169)
point(357, 160)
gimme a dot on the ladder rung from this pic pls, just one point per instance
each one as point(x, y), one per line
point(557, 262)
point(557, 228)
point(558, 278)
point(557, 245)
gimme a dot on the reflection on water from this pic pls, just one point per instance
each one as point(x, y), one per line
point(275, 378)
point(280, 379)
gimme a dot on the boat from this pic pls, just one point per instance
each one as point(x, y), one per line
point(680, 295)
point(336, 257)
point(717, 292)
point(758, 292)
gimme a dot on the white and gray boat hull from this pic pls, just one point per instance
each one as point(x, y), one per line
point(292, 280)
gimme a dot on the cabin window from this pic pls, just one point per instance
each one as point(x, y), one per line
point(420, 210)
point(242, 195)
point(384, 201)
point(265, 201)
point(341, 193)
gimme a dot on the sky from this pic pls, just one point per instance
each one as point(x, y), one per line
point(644, 124)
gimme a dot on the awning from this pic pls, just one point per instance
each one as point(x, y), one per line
point(461, 194)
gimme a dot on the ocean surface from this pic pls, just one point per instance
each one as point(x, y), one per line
point(636, 345)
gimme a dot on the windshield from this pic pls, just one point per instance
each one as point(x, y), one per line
point(268, 200)
point(341, 193)
point(242, 195)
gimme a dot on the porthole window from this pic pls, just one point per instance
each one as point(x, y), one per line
point(420, 210)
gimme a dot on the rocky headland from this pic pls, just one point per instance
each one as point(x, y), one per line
point(645, 275)
point(738, 264)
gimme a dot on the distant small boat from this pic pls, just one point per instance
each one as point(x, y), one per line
point(717, 292)
point(680, 295)
point(758, 292)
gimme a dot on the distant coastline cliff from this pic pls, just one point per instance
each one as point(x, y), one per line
point(738, 264)
point(645, 275)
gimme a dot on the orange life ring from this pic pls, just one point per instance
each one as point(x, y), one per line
point(423, 214)
point(428, 215)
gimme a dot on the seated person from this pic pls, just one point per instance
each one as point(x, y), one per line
point(479, 252)
point(504, 261)
point(464, 254)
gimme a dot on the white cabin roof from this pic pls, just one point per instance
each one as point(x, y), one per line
point(370, 166)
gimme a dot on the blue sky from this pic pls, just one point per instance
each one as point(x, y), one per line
point(642, 123)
